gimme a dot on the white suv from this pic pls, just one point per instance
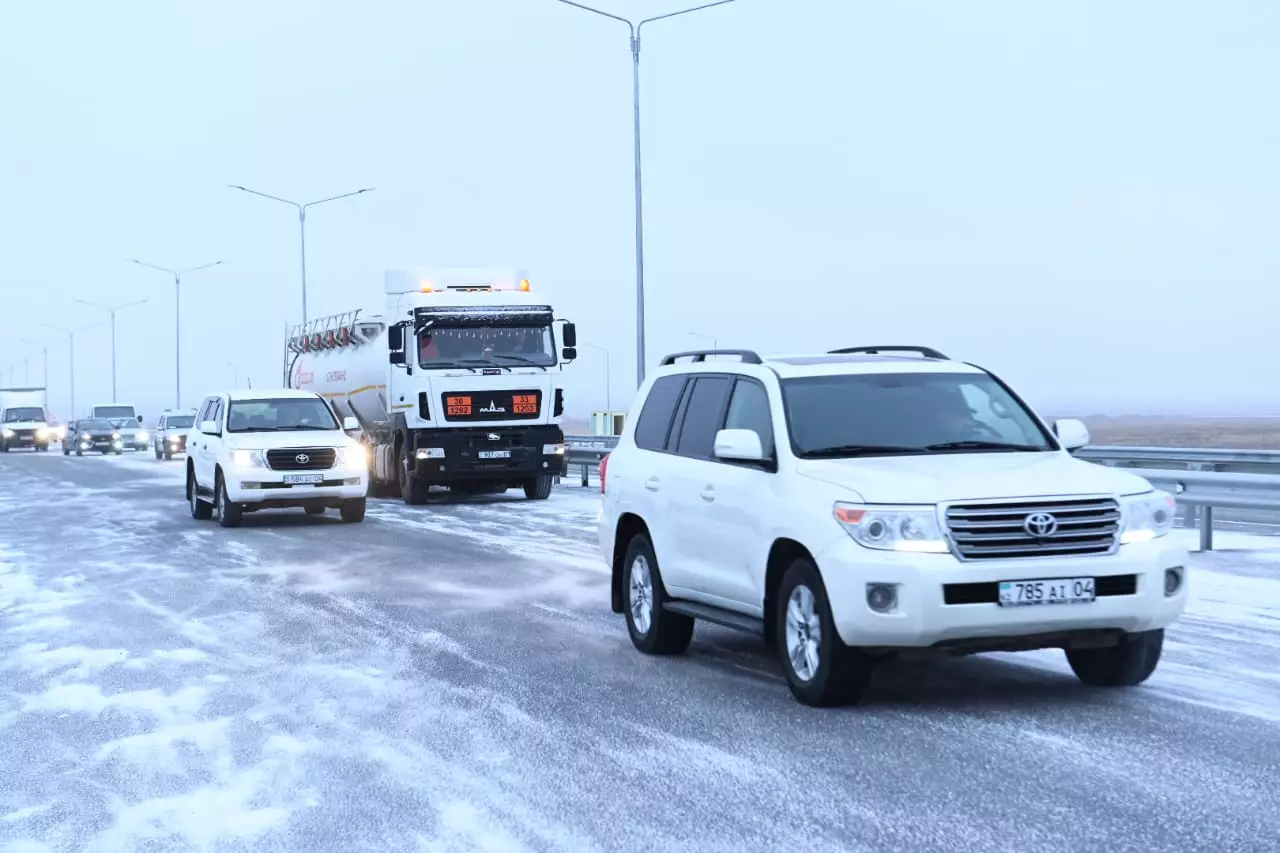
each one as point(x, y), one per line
point(171, 432)
point(851, 505)
point(255, 450)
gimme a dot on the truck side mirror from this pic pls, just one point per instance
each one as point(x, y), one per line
point(569, 353)
point(570, 335)
point(139, 418)
point(395, 338)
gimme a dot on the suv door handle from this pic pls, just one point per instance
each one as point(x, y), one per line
point(652, 484)
point(708, 493)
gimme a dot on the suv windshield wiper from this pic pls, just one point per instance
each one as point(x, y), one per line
point(861, 450)
point(980, 444)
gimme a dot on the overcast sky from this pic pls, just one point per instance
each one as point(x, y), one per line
point(1083, 196)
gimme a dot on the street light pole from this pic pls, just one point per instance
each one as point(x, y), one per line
point(44, 349)
point(635, 29)
point(177, 320)
point(608, 380)
point(111, 311)
point(71, 358)
point(302, 226)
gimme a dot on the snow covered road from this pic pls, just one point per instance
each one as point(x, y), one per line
point(450, 677)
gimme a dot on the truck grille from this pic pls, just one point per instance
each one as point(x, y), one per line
point(1050, 528)
point(301, 459)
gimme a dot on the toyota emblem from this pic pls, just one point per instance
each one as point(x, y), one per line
point(1040, 525)
point(303, 459)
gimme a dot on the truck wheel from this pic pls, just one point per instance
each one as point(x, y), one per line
point(1126, 664)
point(159, 453)
point(229, 514)
point(66, 451)
point(353, 510)
point(539, 488)
point(4, 447)
point(412, 490)
point(820, 669)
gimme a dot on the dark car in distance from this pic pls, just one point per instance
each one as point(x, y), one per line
point(92, 434)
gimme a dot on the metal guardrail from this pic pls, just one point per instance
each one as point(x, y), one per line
point(1201, 479)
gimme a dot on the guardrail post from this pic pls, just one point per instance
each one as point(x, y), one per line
point(1206, 528)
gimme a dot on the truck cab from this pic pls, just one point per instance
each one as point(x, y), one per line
point(456, 383)
point(24, 423)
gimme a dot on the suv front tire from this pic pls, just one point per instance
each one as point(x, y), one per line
point(820, 669)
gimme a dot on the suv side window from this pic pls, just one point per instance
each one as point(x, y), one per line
point(654, 422)
point(702, 416)
point(749, 409)
point(216, 417)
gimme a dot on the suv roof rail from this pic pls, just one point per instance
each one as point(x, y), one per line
point(925, 352)
point(700, 355)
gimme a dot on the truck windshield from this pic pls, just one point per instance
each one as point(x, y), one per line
point(285, 414)
point(907, 413)
point(23, 413)
point(180, 421)
point(115, 412)
point(509, 346)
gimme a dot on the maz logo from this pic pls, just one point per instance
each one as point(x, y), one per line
point(493, 408)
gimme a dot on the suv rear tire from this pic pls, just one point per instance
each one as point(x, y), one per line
point(653, 630)
point(820, 669)
point(1126, 664)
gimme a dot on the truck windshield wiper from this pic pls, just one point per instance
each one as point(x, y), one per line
point(522, 359)
point(861, 450)
point(979, 444)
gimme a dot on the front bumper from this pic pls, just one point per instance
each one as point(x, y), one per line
point(941, 601)
point(517, 453)
point(263, 488)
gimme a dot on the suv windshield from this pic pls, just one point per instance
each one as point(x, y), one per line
point(284, 414)
point(23, 413)
point(907, 413)
point(179, 422)
point(509, 346)
point(115, 412)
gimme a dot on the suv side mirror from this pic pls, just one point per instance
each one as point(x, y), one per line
point(209, 427)
point(739, 445)
point(569, 353)
point(1072, 434)
point(139, 418)
point(350, 424)
point(569, 335)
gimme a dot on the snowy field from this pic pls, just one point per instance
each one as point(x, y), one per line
point(449, 677)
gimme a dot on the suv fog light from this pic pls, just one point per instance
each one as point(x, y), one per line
point(1173, 580)
point(882, 597)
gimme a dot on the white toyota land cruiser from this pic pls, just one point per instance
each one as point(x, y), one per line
point(255, 450)
point(856, 504)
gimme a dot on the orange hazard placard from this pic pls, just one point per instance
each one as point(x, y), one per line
point(455, 406)
point(524, 404)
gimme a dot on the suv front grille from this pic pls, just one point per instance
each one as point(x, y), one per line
point(995, 531)
point(300, 459)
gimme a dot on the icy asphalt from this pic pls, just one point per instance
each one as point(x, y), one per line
point(450, 677)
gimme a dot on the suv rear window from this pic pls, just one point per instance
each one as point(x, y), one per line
point(659, 408)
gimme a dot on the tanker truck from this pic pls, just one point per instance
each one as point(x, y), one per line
point(455, 382)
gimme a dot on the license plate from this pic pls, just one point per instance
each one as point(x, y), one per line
point(494, 454)
point(1056, 591)
point(303, 479)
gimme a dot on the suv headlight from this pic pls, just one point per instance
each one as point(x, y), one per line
point(352, 457)
point(893, 528)
point(7, 433)
point(248, 458)
point(141, 435)
point(1146, 516)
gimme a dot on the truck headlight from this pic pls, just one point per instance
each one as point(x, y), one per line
point(8, 433)
point(553, 450)
point(116, 436)
point(43, 432)
point(1146, 516)
point(248, 459)
point(893, 528)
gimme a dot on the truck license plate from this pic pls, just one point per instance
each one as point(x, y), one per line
point(494, 454)
point(303, 479)
point(1055, 591)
